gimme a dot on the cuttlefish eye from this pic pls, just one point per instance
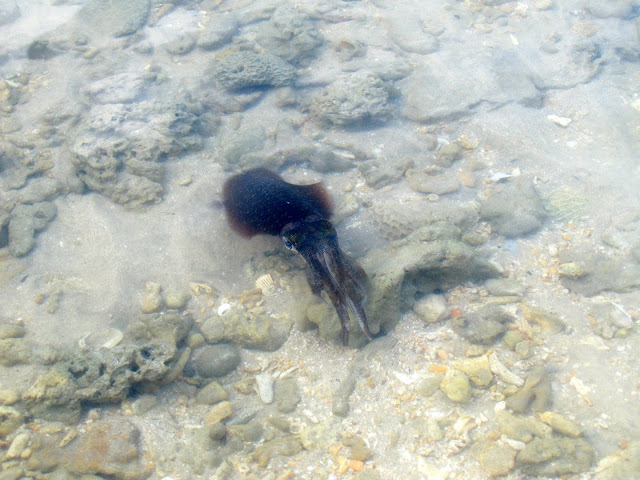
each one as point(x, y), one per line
point(287, 243)
point(290, 241)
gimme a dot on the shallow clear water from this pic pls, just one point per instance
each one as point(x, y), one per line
point(119, 123)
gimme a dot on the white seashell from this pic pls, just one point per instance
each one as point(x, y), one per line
point(265, 387)
point(112, 337)
point(107, 338)
point(498, 368)
point(265, 283)
point(223, 309)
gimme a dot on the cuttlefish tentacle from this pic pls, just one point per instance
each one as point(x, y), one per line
point(260, 202)
point(339, 285)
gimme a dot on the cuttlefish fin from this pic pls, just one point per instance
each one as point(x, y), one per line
point(318, 193)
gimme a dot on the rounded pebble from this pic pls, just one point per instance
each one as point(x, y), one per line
point(216, 360)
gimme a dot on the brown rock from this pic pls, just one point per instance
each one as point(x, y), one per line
point(110, 448)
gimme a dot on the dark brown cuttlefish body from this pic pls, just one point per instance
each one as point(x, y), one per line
point(259, 201)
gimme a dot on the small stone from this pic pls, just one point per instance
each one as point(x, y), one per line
point(484, 325)
point(495, 459)
point(9, 397)
point(512, 338)
point(111, 449)
point(536, 391)
point(524, 349)
point(219, 412)
point(359, 448)
point(624, 463)
point(543, 4)
point(521, 428)
point(562, 121)
point(287, 396)
point(424, 182)
point(181, 45)
point(211, 394)
point(12, 330)
point(195, 340)
point(12, 473)
point(143, 404)
point(216, 360)
point(17, 446)
point(340, 405)
point(455, 385)
point(430, 384)
point(176, 300)
point(503, 372)
point(217, 431)
point(10, 420)
point(477, 369)
point(433, 431)
point(152, 300)
point(246, 386)
point(447, 154)
point(287, 446)
point(502, 287)
point(431, 308)
point(555, 456)
point(548, 321)
point(572, 270)
point(560, 424)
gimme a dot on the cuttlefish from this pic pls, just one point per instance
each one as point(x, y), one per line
point(260, 202)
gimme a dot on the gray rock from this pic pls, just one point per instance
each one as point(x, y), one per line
point(514, 209)
point(484, 325)
point(246, 70)
point(625, 463)
point(406, 30)
point(535, 392)
point(456, 386)
point(219, 31)
point(143, 403)
point(211, 394)
point(290, 35)
point(575, 62)
point(496, 459)
point(445, 89)
point(26, 221)
point(340, 404)
point(359, 98)
point(38, 189)
point(118, 88)
point(555, 456)
point(216, 360)
point(601, 272)
point(242, 149)
point(611, 8)
point(181, 45)
point(503, 287)
point(145, 357)
point(286, 394)
point(261, 331)
point(15, 351)
point(114, 17)
point(423, 182)
point(111, 448)
point(431, 308)
point(10, 420)
point(9, 11)
point(431, 258)
point(120, 149)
